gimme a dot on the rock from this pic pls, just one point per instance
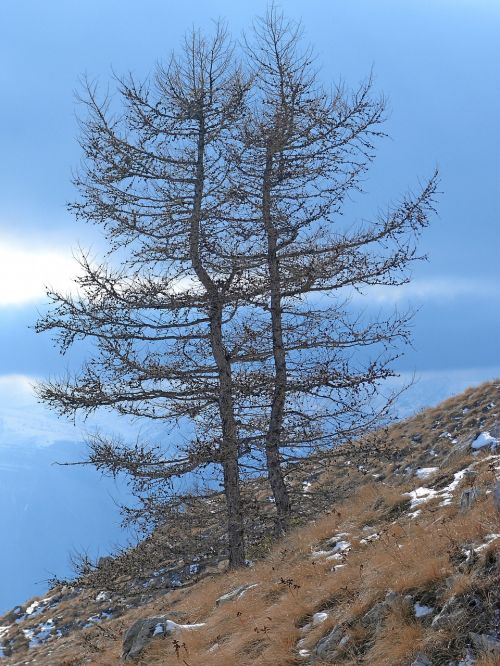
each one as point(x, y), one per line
point(393, 601)
point(328, 644)
point(451, 612)
point(143, 631)
point(421, 660)
point(485, 644)
point(234, 594)
point(102, 596)
point(468, 497)
point(104, 562)
point(496, 496)
point(417, 438)
point(456, 610)
point(223, 565)
point(457, 451)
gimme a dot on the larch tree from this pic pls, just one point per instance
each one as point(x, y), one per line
point(221, 189)
point(154, 177)
point(303, 151)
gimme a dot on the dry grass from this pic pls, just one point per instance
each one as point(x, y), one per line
point(422, 556)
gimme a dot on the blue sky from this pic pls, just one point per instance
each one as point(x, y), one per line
point(435, 60)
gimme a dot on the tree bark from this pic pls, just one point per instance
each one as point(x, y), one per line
point(229, 447)
point(275, 428)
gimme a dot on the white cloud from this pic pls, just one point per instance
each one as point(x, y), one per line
point(26, 269)
point(436, 289)
point(26, 422)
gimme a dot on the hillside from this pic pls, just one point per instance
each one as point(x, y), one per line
point(394, 560)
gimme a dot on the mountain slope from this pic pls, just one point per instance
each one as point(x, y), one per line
point(394, 560)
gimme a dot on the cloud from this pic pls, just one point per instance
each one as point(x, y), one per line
point(26, 422)
point(25, 271)
point(441, 289)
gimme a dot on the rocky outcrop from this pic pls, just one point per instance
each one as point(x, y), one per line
point(468, 497)
point(421, 660)
point(485, 645)
point(143, 631)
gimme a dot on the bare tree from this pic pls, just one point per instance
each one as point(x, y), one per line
point(303, 151)
point(221, 192)
point(154, 177)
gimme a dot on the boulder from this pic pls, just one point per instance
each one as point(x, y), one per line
point(328, 644)
point(393, 601)
point(140, 634)
point(468, 497)
point(421, 660)
point(496, 496)
point(451, 613)
point(485, 644)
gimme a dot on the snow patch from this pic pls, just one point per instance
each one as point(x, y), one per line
point(425, 472)
point(421, 610)
point(484, 439)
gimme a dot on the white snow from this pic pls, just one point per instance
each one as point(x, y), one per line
point(488, 539)
point(484, 439)
point(335, 552)
point(370, 538)
point(158, 630)
point(3, 631)
point(318, 618)
point(421, 610)
point(424, 472)
point(420, 495)
point(40, 634)
point(173, 626)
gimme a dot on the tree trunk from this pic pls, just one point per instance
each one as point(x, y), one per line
point(229, 447)
point(273, 435)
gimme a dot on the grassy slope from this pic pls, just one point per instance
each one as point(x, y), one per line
point(421, 555)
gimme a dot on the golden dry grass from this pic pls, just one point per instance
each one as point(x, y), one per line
point(421, 556)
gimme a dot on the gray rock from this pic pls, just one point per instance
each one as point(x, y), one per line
point(328, 644)
point(451, 613)
point(496, 496)
point(104, 562)
point(421, 660)
point(468, 497)
point(393, 601)
point(458, 451)
point(142, 632)
point(234, 594)
point(485, 644)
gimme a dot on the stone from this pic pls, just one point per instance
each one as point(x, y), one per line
point(469, 497)
point(104, 562)
point(421, 660)
point(326, 646)
point(485, 644)
point(456, 610)
point(223, 565)
point(496, 496)
point(451, 612)
point(393, 601)
point(140, 634)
